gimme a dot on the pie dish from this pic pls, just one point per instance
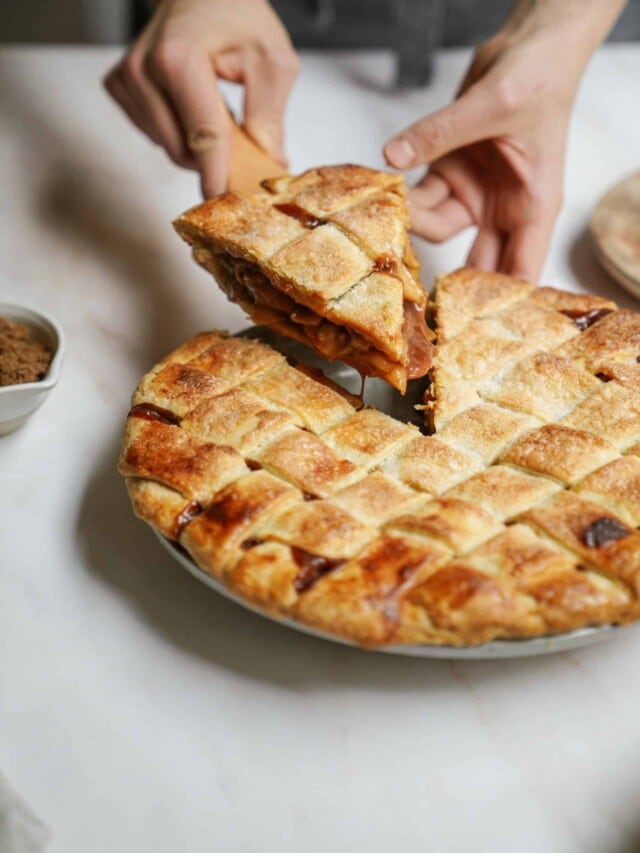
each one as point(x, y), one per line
point(516, 518)
point(615, 229)
point(323, 258)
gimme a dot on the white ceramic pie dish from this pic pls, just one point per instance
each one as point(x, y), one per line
point(17, 402)
point(381, 395)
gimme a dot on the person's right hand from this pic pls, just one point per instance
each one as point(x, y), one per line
point(496, 154)
point(167, 82)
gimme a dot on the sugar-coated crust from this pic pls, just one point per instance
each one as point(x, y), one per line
point(518, 518)
point(562, 452)
point(332, 241)
point(327, 189)
point(617, 487)
point(469, 294)
point(375, 305)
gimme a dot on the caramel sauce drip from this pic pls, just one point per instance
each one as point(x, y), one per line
point(604, 530)
point(386, 263)
point(303, 216)
point(191, 511)
point(584, 319)
point(417, 336)
point(363, 382)
point(312, 568)
point(150, 412)
point(427, 426)
point(430, 394)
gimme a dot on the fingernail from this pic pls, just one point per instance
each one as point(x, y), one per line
point(400, 153)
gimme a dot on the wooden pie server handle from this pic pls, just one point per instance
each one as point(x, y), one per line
point(249, 163)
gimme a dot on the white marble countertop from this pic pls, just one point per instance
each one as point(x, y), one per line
point(139, 711)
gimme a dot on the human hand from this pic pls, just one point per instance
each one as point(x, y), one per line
point(496, 154)
point(167, 82)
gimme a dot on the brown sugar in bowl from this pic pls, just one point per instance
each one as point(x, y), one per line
point(23, 358)
point(22, 398)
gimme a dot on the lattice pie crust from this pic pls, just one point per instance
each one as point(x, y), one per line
point(518, 517)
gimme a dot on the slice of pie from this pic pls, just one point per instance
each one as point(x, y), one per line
point(323, 258)
point(517, 518)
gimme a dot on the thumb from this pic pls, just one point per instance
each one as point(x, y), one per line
point(467, 120)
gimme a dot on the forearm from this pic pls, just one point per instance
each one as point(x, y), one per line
point(586, 23)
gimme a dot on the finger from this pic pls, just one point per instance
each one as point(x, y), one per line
point(190, 83)
point(268, 82)
point(161, 120)
point(526, 250)
point(437, 225)
point(116, 87)
point(430, 192)
point(486, 251)
point(467, 120)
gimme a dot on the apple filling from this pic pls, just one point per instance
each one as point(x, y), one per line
point(245, 284)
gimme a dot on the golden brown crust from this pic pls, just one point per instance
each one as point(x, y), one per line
point(158, 505)
point(217, 536)
point(362, 598)
point(614, 337)
point(617, 487)
point(613, 412)
point(230, 221)
point(304, 459)
point(561, 452)
point(485, 430)
point(544, 385)
point(468, 294)
point(429, 465)
point(576, 523)
point(171, 456)
point(517, 519)
point(324, 258)
point(456, 523)
point(563, 300)
point(368, 436)
point(327, 189)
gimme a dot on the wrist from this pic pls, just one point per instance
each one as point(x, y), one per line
point(595, 14)
point(551, 41)
point(583, 24)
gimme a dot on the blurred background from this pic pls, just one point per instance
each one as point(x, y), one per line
point(312, 22)
point(413, 28)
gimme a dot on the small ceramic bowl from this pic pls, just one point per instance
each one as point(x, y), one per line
point(17, 402)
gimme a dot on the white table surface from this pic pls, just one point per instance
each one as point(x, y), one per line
point(139, 711)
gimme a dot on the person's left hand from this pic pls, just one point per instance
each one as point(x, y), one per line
point(167, 82)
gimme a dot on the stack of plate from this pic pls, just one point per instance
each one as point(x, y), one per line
point(615, 227)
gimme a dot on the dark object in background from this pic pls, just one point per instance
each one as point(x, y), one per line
point(417, 30)
point(413, 28)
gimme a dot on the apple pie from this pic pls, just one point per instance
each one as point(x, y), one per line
point(513, 514)
point(323, 258)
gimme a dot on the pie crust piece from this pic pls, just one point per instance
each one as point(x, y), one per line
point(517, 518)
point(323, 258)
